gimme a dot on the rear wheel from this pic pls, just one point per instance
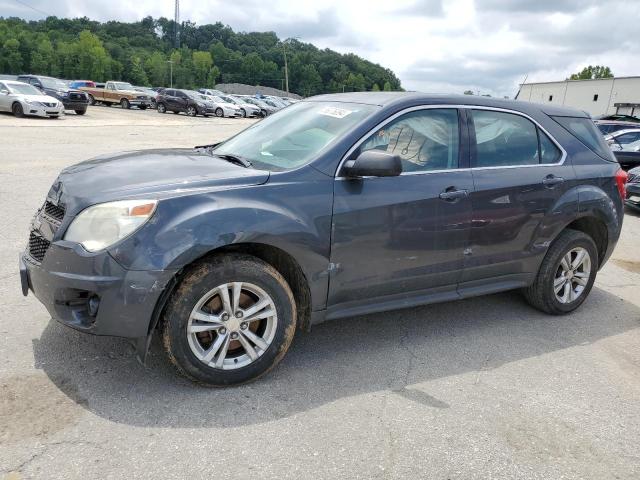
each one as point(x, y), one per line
point(124, 103)
point(162, 108)
point(566, 275)
point(17, 110)
point(231, 320)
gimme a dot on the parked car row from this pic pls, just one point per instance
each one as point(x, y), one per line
point(50, 97)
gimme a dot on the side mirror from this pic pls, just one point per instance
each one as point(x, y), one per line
point(4, 92)
point(373, 163)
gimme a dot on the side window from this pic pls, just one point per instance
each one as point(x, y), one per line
point(504, 139)
point(627, 138)
point(180, 94)
point(425, 139)
point(549, 152)
point(110, 86)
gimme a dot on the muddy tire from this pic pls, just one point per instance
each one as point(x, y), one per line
point(566, 274)
point(230, 321)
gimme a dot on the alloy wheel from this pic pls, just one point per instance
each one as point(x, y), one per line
point(191, 111)
point(232, 325)
point(572, 275)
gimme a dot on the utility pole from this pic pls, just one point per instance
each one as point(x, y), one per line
point(176, 20)
point(170, 62)
point(286, 67)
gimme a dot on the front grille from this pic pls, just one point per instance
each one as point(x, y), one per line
point(77, 96)
point(53, 211)
point(38, 246)
point(141, 97)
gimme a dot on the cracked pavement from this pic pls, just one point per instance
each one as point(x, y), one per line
point(477, 389)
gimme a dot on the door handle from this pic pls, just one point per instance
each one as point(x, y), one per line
point(452, 194)
point(551, 181)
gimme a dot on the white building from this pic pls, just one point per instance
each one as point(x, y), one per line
point(598, 97)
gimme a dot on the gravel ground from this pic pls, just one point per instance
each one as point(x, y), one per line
point(478, 389)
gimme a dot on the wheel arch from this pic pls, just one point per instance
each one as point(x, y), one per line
point(282, 261)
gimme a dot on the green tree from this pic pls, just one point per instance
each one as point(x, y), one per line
point(157, 69)
point(375, 88)
point(136, 73)
point(309, 80)
point(592, 72)
point(11, 57)
point(202, 63)
point(387, 87)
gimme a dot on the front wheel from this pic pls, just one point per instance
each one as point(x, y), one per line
point(230, 321)
point(81, 112)
point(17, 110)
point(191, 111)
point(566, 275)
point(162, 108)
point(219, 112)
point(244, 112)
point(124, 103)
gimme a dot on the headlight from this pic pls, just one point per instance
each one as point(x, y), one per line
point(102, 225)
point(63, 94)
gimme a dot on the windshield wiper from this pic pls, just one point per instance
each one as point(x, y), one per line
point(234, 159)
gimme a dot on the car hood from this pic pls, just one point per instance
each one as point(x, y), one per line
point(152, 173)
point(39, 98)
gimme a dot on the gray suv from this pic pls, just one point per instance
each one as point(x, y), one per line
point(336, 206)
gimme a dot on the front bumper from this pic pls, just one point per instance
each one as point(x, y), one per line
point(141, 103)
point(92, 292)
point(42, 111)
point(633, 196)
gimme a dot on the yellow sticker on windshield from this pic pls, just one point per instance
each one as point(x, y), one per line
point(335, 112)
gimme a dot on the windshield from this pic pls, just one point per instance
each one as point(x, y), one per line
point(296, 135)
point(24, 89)
point(53, 83)
point(123, 86)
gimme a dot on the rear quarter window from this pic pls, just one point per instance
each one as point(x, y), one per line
point(585, 130)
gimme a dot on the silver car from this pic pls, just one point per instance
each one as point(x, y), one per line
point(247, 109)
point(23, 99)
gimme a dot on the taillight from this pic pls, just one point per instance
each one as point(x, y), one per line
point(621, 183)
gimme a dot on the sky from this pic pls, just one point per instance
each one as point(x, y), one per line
point(488, 46)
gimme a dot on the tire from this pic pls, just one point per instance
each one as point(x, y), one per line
point(188, 351)
point(542, 293)
point(17, 110)
point(92, 101)
point(124, 103)
point(244, 112)
point(192, 111)
point(162, 108)
point(219, 112)
point(81, 112)
point(142, 107)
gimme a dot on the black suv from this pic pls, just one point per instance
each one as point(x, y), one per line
point(176, 101)
point(336, 206)
point(71, 98)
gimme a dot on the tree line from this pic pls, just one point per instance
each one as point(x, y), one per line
point(151, 51)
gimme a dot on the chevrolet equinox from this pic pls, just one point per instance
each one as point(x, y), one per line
point(336, 206)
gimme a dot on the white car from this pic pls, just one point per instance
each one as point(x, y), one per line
point(222, 108)
point(24, 99)
point(622, 138)
point(247, 109)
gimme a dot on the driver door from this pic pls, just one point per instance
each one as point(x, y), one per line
point(5, 98)
point(397, 241)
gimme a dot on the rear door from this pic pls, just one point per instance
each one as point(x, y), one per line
point(519, 173)
point(395, 239)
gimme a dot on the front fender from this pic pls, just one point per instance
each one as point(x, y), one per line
point(294, 217)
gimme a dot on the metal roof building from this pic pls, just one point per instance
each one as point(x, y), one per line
point(597, 97)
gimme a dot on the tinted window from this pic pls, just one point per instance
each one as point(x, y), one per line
point(504, 139)
point(585, 131)
point(424, 140)
point(626, 138)
point(549, 152)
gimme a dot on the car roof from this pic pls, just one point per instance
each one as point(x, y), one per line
point(626, 130)
point(387, 99)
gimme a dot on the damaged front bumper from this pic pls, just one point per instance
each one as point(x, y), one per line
point(92, 292)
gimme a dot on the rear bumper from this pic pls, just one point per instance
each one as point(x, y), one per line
point(633, 196)
point(93, 293)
